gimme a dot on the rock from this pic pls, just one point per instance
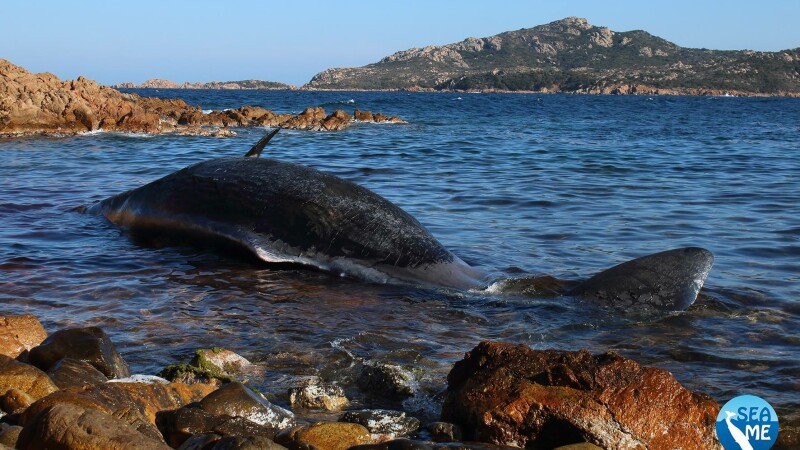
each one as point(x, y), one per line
point(513, 395)
point(222, 360)
point(339, 120)
point(24, 377)
point(178, 426)
point(313, 394)
point(19, 334)
point(383, 421)
point(235, 399)
point(386, 380)
point(135, 404)
point(396, 444)
point(310, 119)
point(68, 372)
point(363, 116)
point(579, 446)
point(9, 434)
point(15, 401)
point(66, 426)
point(90, 344)
point(236, 443)
point(444, 431)
point(324, 436)
point(199, 442)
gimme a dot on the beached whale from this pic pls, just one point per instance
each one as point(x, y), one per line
point(289, 213)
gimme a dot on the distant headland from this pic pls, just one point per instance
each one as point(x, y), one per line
point(573, 56)
point(158, 83)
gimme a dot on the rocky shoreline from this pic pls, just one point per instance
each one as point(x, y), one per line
point(42, 104)
point(72, 389)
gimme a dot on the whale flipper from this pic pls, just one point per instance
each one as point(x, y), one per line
point(666, 281)
point(256, 150)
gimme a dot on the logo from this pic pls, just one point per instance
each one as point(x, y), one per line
point(747, 422)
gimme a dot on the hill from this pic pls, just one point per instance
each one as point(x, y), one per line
point(571, 55)
point(157, 83)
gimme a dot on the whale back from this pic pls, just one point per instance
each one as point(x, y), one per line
point(286, 212)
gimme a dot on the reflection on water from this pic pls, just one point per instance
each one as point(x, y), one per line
point(515, 184)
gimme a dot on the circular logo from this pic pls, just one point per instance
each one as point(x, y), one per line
point(747, 422)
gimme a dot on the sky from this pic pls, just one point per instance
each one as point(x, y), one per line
point(291, 41)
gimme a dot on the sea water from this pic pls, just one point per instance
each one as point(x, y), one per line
point(515, 184)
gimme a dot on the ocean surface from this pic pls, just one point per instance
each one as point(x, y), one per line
point(515, 184)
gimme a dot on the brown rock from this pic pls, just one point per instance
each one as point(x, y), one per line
point(14, 401)
point(68, 372)
point(135, 404)
point(215, 442)
point(325, 436)
point(9, 434)
point(310, 119)
point(177, 426)
point(19, 334)
point(67, 426)
point(513, 395)
point(24, 377)
point(237, 400)
point(363, 116)
point(339, 120)
point(90, 344)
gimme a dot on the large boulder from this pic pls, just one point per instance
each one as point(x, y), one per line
point(67, 427)
point(513, 395)
point(68, 372)
point(19, 334)
point(178, 426)
point(136, 404)
point(90, 344)
point(24, 377)
point(237, 400)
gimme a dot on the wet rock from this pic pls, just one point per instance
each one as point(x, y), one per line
point(242, 443)
point(9, 434)
point(314, 394)
point(199, 442)
point(513, 395)
point(579, 446)
point(69, 372)
point(339, 120)
point(386, 380)
point(24, 377)
point(178, 426)
point(324, 436)
point(444, 431)
point(66, 426)
point(135, 404)
point(383, 421)
point(90, 344)
point(396, 444)
point(15, 401)
point(222, 360)
point(19, 334)
point(363, 116)
point(235, 399)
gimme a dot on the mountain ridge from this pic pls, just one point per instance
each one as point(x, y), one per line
point(571, 55)
point(159, 83)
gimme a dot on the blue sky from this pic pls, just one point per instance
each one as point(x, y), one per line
point(290, 41)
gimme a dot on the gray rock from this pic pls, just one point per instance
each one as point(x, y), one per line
point(387, 380)
point(314, 394)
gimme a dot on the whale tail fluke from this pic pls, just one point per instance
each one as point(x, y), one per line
point(668, 281)
point(255, 152)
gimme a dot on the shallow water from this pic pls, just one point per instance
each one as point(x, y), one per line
point(543, 184)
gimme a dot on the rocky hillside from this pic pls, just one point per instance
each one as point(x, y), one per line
point(571, 55)
point(157, 83)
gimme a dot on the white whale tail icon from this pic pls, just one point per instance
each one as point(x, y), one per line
point(737, 434)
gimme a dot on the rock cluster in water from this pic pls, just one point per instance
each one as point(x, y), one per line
point(73, 390)
point(43, 104)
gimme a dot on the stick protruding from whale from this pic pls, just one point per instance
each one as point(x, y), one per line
point(255, 152)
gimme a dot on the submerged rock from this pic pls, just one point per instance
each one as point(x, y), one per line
point(386, 380)
point(19, 334)
point(90, 344)
point(383, 421)
point(513, 395)
point(314, 394)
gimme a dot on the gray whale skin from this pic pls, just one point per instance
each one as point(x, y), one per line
point(289, 213)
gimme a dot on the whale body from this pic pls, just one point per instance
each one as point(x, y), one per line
point(289, 213)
